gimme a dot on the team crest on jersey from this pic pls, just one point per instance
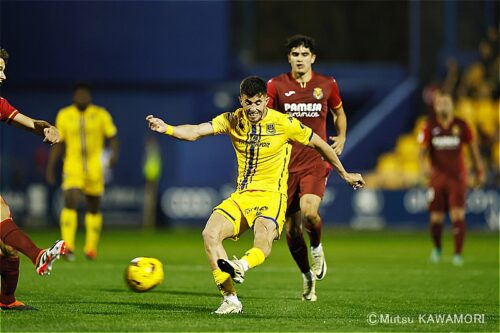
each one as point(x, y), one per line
point(290, 119)
point(455, 130)
point(318, 93)
point(254, 138)
point(270, 129)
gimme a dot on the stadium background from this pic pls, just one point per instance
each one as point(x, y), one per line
point(183, 61)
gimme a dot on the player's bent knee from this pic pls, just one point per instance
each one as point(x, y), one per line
point(311, 216)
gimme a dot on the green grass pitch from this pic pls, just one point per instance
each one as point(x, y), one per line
point(385, 275)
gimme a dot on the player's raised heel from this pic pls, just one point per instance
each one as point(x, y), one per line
point(233, 268)
point(47, 258)
point(228, 306)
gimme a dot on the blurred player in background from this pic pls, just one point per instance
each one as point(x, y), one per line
point(84, 127)
point(307, 96)
point(260, 137)
point(11, 237)
point(442, 140)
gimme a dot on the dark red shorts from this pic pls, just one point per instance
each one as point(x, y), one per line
point(448, 194)
point(307, 181)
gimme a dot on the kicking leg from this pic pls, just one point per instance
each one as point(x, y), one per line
point(216, 230)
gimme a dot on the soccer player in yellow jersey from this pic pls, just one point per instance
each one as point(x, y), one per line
point(261, 139)
point(84, 127)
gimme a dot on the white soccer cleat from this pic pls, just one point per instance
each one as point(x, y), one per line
point(234, 268)
point(319, 264)
point(309, 290)
point(47, 258)
point(435, 256)
point(228, 306)
point(457, 260)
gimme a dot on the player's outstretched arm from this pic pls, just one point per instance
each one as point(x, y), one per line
point(40, 127)
point(182, 132)
point(353, 179)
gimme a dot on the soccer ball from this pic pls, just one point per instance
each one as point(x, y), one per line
point(144, 274)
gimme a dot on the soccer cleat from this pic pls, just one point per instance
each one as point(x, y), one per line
point(309, 290)
point(90, 255)
point(233, 268)
point(16, 305)
point(457, 260)
point(319, 264)
point(47, 258)
point(228, 306)
point(435, 255)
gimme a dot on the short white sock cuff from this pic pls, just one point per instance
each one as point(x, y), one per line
point(245, 264)
point(232, 298)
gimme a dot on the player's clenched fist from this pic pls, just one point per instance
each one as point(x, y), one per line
point(355, 180)
point(156, 124)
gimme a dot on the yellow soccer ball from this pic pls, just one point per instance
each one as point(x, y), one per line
point(144, 274)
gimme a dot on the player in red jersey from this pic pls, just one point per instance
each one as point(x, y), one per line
point(308, 96)
point(443, 139)
point(11, 237)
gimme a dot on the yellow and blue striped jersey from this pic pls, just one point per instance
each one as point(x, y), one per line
point(262, 149)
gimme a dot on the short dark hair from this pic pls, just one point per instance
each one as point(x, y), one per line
point(4, 55)
point(82, 86)
point(252, 86)
point(301, 40)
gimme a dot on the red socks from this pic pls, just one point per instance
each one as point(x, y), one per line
point(436, 230)
point(9, 271)
point(298, 249)
point(458, 235)
point(314, 231)
point(11, 235)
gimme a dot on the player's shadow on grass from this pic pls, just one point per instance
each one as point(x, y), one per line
point(166, 292)
point(146, 307)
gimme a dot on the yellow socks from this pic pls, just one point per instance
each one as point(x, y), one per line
point(93, 224)
point(224, 282)
point(254, 257)
point(69, 223)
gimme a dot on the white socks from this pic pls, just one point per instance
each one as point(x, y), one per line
point(232, 298)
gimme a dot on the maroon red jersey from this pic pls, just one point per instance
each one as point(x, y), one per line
point(446, 148)
point(7, 111)
point(309, 104)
